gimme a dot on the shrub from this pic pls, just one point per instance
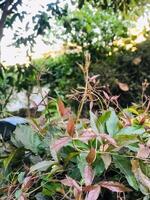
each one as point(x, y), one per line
point(105, 156)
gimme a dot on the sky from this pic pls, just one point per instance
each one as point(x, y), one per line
point(11, 55)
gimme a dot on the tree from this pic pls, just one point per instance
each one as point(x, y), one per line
point(9, 12)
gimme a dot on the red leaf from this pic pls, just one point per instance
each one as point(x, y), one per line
point(108, 138)
point(71, 127)
point(71, 183)
point(88, 188)
point(61, 107)
point(91, 156)
point(93, 194)
point(87, 135)
point(88, 175)
point(27, 183)
point(62, 110)
point(114, 186)
point(58, 144)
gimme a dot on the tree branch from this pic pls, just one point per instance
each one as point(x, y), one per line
point(3, 17)
point(14, 6)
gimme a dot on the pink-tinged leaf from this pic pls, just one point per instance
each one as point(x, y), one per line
point(106, 95)
point(93, 194)
point(93, 78)
point(22, 197)
point(87, 135)
point(68, 181)
point(27, 183)
point(88, 175)
point(77, 194)
point(108, 138)
point(144, 151)
point(114, 186)
point(115, 98)
point(58, 144)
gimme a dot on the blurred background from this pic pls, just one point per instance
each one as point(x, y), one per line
point(43, 42)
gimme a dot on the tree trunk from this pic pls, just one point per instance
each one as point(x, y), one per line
point(2, 22)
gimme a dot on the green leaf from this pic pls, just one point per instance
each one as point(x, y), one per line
point(21, 177)
point(124, 165)
point(18, 193)
point(98, 166)
point(101, 121)
point(112, 124)
point(145, 167)
point(125, 140)
point(41, 166)
point(80, 145)
point(50, 189)
point(93, 121)
point(40, 196)
point(137, 130)
point(25, 136)
point(82, 163)
point(13, 157)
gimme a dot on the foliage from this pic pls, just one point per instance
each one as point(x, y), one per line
point(131, 68)
point(95, 29)
point(107, 152)
point(60, 74)
point(63, 155)
point(16, 78)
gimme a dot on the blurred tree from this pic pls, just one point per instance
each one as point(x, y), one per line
point(9, 12)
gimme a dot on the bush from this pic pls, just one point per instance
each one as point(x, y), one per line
point(105, 156)
point(131, 68)
point(61, 74)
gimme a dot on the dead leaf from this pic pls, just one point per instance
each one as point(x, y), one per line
point(114, 186)
point(71, 127)
point(58, 144)
point(140, 176)
point(123, 86)
point(88, 175)
point(94, 193)
point(143, 152)
point(107, 160)
point(137, 60)
point(91, 156)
